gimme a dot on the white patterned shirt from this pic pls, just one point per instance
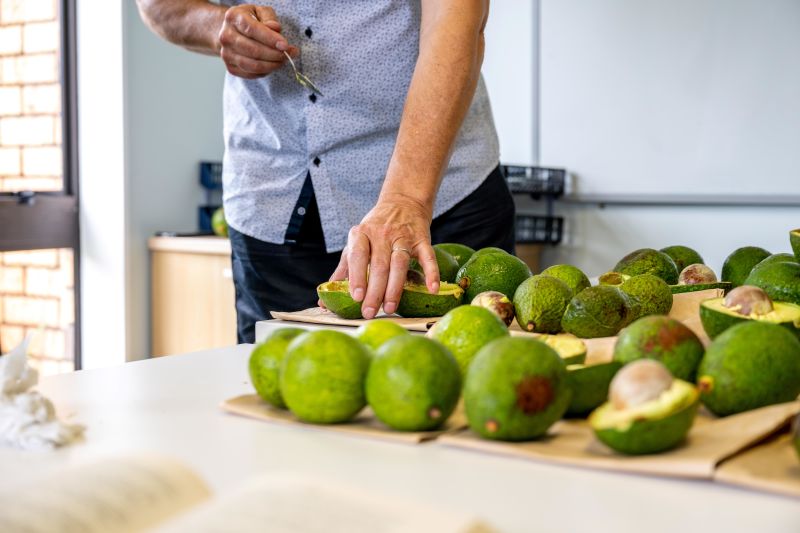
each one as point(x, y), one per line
point(361, 54)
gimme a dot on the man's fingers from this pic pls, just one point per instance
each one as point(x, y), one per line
point(357, 260)
point(341, 269)
point(253, 67)
point(244, 46)
point(397, 278)
point(378, 278)
point(250, 26)
point(427, 259)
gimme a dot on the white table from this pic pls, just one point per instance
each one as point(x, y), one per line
point(170, 405)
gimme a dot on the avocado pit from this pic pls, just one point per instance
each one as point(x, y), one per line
point(748, 300)
point(638, 383)
point(696, 274)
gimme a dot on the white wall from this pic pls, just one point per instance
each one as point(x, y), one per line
point(597, 237)
point(173, 121)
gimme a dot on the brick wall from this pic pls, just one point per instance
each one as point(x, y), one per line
point(30, 96)
point(36, 287)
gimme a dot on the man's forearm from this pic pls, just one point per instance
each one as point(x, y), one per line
point(192, 24)
point(441, 91)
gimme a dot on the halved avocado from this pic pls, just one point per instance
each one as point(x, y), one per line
point(416, 301)
point(716, 318)
point(336, 297)
point(652, 427)
point(794, 240)
point(589, 386)
point(571, 349)
point(680, 289)
point(614, 279)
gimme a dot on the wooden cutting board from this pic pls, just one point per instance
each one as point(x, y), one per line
point(364, 425)
point(772, 467)
point(711, 441)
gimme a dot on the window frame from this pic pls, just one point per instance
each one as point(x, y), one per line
point(49, 219)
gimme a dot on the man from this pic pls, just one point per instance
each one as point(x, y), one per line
point(347, 182)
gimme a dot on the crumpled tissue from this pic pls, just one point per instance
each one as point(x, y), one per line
point(27, 419)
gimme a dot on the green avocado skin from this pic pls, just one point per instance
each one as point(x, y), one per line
point(515, 389)
point(322, 376)
point(540, 302)
point(341, 303)
point(460, 252)
point(599, 311)
point(589, 386)
point(682, 289)
point(750, 365)
point(664, 339)
point(652, 293)
point(683, 256)
point(781, 281)
point(740, 262)
point(265, 364)
point(424, 305)
point(794, 240)
point(492, 271)
point(650, 436)
point(649, 261)
point(448, 265)
point(409, 378)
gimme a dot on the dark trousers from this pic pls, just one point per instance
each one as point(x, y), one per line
point(283, 277)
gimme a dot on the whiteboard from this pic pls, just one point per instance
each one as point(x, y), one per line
point(682, 97)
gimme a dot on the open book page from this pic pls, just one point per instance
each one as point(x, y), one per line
point(123, 495)
point(303, 505)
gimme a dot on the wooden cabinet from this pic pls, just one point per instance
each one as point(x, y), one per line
point(192, 294)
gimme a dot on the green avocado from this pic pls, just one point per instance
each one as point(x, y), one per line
point(540, 302)
point(465, 330)
point(376, 332)
point(460, 252)
point(663, 339)
point(750, 365)
point(336, 297)
point(218, 223)
point(575, 279)
point(589, 385)
point(489, 250)
point(716, 317)
point(515, 389)
point(697, 287)
point(416, 301)
point(652, 293)
point(740, 262)
point(569, 347)
point(794, 240)
point(322, 376)
point(265, 364)
point(448, 266)
point(775, 258)
point(653, 427)
point(599, 311)
point(781, 281)
point(649, 261)
point(413, 383)
point(494, 271)
point(683, 256)
point(615, 279)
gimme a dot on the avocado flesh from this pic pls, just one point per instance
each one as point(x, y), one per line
point(652, 427)
point(589, 385)
point(571, 349)
point(336, 297)
point(680, 289)
point(716, 318)
point(416, 301)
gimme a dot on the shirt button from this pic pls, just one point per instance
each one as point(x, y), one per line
point(312, 97)
point(308, 32)
point(317, 161)
point(301, 211)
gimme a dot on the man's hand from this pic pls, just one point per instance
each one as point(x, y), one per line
point(247, 37)
point(250, 42)
point(393, 232)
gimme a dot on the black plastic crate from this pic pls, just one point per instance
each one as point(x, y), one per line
point(539, 229)
point(537, 181)
point(211, 175)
